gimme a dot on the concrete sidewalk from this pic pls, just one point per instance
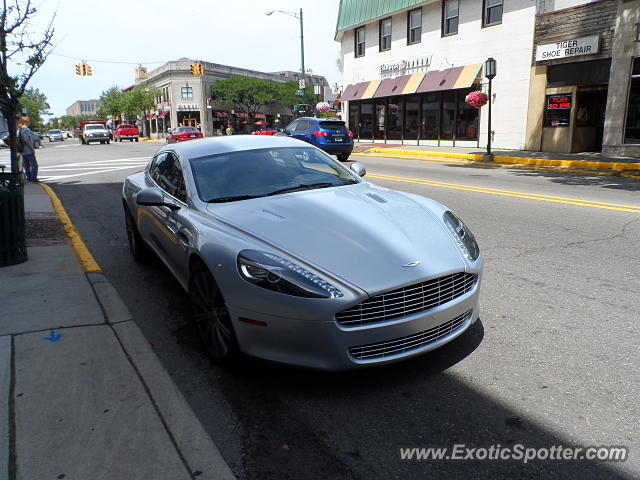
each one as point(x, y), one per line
point(518, 158)
point(82, 394)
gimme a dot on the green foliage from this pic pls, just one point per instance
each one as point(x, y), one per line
point(111, 102)
point(69, 122)
point(288, 97)
point(140, 99)
point(36, 105)
point(246, 93)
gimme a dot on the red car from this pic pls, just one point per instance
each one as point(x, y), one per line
point(126, 131)
point(266, 131)
point(180, 134)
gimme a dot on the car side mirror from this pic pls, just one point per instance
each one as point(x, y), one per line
point(154, 197)
point(358, 168)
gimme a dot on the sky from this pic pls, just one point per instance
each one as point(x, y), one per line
point(227, 32)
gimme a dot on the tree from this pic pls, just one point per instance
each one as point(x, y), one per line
point(19, 51)
point(248, 93)
point(36, 105)
point(111, 102)
point(141, 99)
point(69, 122)
point(288, 95)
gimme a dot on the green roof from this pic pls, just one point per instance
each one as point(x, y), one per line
point(356, 12)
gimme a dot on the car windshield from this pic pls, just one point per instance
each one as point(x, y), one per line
point(94, 127)
point(269, 171)
point(54, 131)
point(124, 125)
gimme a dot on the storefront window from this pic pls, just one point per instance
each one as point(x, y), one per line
point(380, 121)
point(632, 127)
point(395, 116)
point(558, 110)
point(448, 115)
point(412, 117)
point(366, 121)
point(430, 120)
point(467, 128)
point(353, 118)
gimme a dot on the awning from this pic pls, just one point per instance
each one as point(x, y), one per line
point(260, 115)
point(163, 114)
point(354, 91)
point(391, 86)
point(449, 79)
point(221, 114)
point(241, 114)
point(153, 115)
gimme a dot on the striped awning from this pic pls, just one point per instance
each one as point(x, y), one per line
point(449, 79)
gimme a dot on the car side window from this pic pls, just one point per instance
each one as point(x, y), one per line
point(292, 127)
point(167, 173)
point(153, 168)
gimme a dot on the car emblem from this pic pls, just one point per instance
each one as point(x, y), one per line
point(412, 264)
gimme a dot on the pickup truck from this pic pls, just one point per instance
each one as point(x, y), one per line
point(94, 132)
point(126, 131)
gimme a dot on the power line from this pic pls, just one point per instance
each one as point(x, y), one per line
point(106, 61)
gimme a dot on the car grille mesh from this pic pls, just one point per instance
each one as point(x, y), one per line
point(410, 342)
point(408, 300)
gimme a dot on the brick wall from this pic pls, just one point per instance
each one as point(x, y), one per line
point(596, 18)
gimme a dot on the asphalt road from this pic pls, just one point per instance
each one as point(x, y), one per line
point(553, 360)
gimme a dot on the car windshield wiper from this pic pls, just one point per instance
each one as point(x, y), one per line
point(233, 199)
point(302, 186)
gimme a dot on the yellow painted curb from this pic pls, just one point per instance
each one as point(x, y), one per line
point(87, 262)
point(144, 139)
point(515, 160)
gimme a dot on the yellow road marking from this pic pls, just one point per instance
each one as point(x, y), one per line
point(510, 193)
point(87, 262)
point(499, 165)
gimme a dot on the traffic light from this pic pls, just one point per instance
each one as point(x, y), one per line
point(87, 69)
point(197, 69)
point(79, 69)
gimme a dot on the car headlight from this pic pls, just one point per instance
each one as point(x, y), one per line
point(275, 273)
point(463, 236)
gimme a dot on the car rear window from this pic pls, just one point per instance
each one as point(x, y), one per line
point(333, 125)
point(125, 125)
point(188, 129)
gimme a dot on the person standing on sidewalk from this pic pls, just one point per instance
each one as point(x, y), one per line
point(29, 151)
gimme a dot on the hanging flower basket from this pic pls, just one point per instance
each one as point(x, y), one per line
point(477, 99)
point(323, 107)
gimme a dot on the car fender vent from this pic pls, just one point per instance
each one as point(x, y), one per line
point(376, 197)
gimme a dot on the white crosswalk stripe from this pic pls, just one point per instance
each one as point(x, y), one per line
point(78, 169)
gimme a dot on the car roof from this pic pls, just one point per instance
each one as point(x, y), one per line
point(226, 144)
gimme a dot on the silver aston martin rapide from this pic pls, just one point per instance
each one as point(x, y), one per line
point(289, 256)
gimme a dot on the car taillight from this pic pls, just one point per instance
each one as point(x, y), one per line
point(350, 133)
point(320, 133)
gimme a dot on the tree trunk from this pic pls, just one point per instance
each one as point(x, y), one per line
point(13, 139)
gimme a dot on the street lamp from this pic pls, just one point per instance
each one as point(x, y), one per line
point(302, 70)
point(489, 73)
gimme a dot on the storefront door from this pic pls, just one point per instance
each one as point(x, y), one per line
point(188, 122)
point(591, 103)
point(380, 121)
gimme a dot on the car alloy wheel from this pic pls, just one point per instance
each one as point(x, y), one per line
point(138, 249)
point(211, 316)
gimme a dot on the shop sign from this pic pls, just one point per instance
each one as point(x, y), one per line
point(416, 63)
point(568, 48)
point(559, 102)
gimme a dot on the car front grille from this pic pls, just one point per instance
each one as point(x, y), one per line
point(409, 343)
point(408, 300)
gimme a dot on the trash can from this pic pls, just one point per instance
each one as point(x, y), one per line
point(13, 243)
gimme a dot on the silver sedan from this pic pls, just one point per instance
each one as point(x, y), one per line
point(289, 256)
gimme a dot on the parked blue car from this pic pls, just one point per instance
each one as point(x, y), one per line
point(329, 135)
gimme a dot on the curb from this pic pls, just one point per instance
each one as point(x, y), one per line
point(585, 164)
point(145, 139)
point(193, 444)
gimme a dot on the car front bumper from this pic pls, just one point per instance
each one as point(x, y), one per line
point(327, 345)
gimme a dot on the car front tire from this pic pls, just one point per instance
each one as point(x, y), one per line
point(137, 247)
point(211, 316)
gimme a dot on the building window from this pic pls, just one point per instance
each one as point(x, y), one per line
point(360, 37)
point(414, 26)
point(558, 110)
point(187, 92)
point(637, 32)
point(492, 12)
point(450, 17)
point(385, 34)
point(632, 127)
point(165, 94)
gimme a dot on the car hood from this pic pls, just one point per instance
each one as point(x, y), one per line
point(373, 238)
